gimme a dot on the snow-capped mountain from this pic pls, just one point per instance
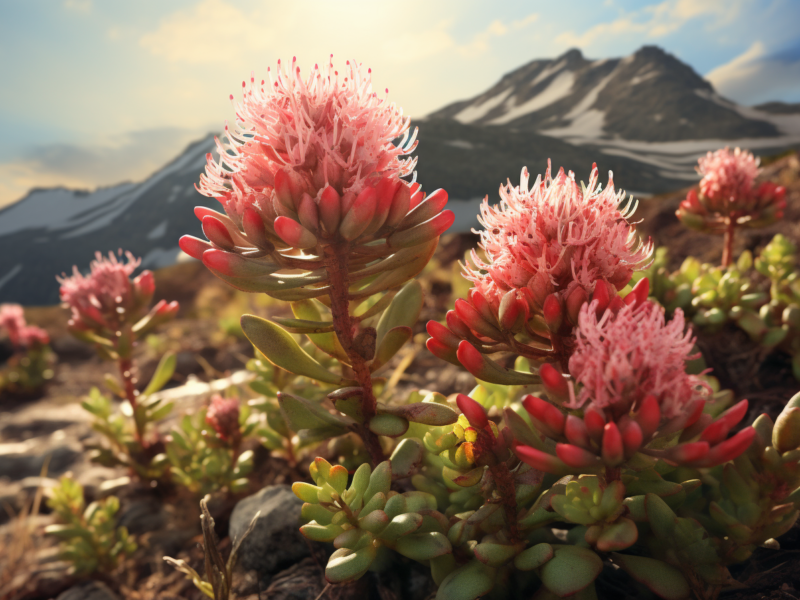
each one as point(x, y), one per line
point(50, 230)
point(648, 107)
point(647, 117)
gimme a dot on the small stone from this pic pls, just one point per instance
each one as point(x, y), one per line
point(143, 515)
point(91, 590)
point(21, 460)
point(299, 582)
point(276, 540)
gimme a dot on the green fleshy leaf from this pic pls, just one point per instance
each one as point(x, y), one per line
point(427, 413)
point(533, 557)
point(468, 582)
point(424, 546)
point(394, 339)
point(403, 311)
point(164, 371)
point(662, 579)
point(281, 349)
point(570, 570)
point(400, 526)
point(494, 555)
point(406, 458)
point(348, 565)
point(303, 414)
point(388, 425)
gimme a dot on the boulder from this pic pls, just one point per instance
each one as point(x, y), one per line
point(275, 542)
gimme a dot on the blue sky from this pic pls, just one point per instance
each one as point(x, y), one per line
point(96, 92)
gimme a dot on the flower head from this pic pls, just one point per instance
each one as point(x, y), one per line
point(555, 237)
point(621, 358)
point(310, 171)
point(12, 319)
point(727, 176)
point(30, 335)
point(98, 295)
point(327, 129)
point(223, 417)
point(631, 365)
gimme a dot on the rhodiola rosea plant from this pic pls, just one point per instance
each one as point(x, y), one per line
point(607, 453)
point(111, 311)
point(31, 364)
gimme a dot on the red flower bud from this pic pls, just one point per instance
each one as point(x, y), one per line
point(612, 448)
point(294, 234)
point(553, 313)
point(223, 417)
point(330, 209)
point(553, 382)
point(546, 413)
point(474, 412)
point(193, 246)
point(217, 233)
point(576, 457)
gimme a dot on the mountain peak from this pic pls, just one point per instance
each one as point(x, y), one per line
point(570, 55)
point(649, 95)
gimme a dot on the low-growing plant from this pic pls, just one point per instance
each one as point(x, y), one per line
point(219, 573)
point(205, 452)
point(112, 312)
point(30, 366)
point(761, 295)
point(600, 466)
point(729, 199)
point(90, 538)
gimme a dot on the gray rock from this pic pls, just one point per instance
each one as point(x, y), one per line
point(142, 515)
point(90, 590)
point(299, 582)
point(276, 541)
point(21, 460)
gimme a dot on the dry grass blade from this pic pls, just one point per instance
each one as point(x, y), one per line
point(20, 547)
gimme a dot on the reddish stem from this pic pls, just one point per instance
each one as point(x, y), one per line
point(483, 449)
point(504, 481)
point(126, 372)
point(727, 248)
point(336, 266)
point(613, 474)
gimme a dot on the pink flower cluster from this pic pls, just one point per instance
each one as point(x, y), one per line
point(728, 196)
point(631, 365)
point(329, 129)
point(621, 358)
point(223, 417)
point(95, 298)
point(21, 335)
point(554, 238)
point(727, 176)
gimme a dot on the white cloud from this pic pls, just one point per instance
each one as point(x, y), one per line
point(754, 77)
point(82, 6)
point(654, 21)
point(130, 157)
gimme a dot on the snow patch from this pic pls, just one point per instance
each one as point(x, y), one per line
point(559, 88)
point(463, 144)
point(786, 124)
point(158, 231)
point(547, 71)
point(10, 275)
point(475, 112)
point(585, 127)
point(640, 78)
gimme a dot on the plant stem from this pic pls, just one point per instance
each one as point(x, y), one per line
point(504, 481)
point(727, 248)
point(126, 372)
point(336, 265)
